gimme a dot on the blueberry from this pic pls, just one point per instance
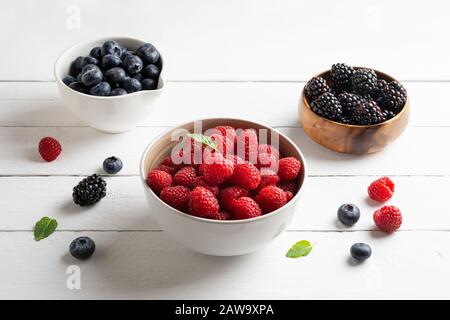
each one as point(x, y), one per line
point(131, 85)
point(133, 64)
point(127, 53)
point(82, 248)
point(91, 75)
point(151, 71)
point(78, 86)
point(76, 66)
point(138, 76)
point(112, 165)
point(101, 89)
point(110, 61)
point(348, 214)
point(90, 60)
point(96, 53)
point(115, 75)
point(148, 84)
point(111, 47)
point(148, 53)
point(68, 80)
point(360, 251)
point(118, 92)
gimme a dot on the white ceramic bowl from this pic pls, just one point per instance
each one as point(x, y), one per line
point(108, 114)
point(213, 237)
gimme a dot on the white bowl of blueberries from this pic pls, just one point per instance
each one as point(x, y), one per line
point(111, 84)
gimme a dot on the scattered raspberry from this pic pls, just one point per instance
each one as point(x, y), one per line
point(289, 195)
point(228, 195)
point(388, 218)
point(246, 175)
point(247, 145)
point(267, 148)
point(288, 168)
point(245, 208)
point(288, 186)
point(158, 180)
point(169, 170)
point(266, 160)
point(381, 190)
point(200, 182)
point(176, 197)
point(49, 148)
point(202, 203)
point(271, 198)
point(221, 215)
point(217, 169)
point(185, 177)
point(268, 178)
point(227, 131)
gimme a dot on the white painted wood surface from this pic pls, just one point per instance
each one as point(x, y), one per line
point(246, 59)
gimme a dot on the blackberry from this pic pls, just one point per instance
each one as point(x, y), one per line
point(328, 106)
point(341, 74)
point(364, 81)
point(349, 102)
point(388, 114)
point(90, 190)
point(367, 113)
point(315, 88)
point(393, 96)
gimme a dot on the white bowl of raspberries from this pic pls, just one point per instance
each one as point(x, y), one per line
point(111, 84)
point(223, 186)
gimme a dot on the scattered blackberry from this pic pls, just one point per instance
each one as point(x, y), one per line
point(393, 96)
point(315, 88)
point(349, 102)
point(328, 106)
point(341, 74)
point(367, 113)
point(364, 81)
point(90, 190)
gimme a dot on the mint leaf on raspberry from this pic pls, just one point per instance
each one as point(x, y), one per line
point(208, 141)
point(300, 249)
point(44, 227)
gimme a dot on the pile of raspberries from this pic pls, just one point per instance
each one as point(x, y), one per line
point(225, 186)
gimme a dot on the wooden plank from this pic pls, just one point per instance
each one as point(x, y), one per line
point(147, 265)
point(24, 200)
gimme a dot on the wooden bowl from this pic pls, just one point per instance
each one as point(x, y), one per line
point(355, 139)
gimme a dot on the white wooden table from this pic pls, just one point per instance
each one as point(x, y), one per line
point(245, 59)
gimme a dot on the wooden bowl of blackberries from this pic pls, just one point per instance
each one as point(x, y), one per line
point(354, 109)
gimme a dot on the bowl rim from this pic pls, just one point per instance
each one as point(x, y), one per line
point(58, 79)
point(223, 222)
point(385, 75)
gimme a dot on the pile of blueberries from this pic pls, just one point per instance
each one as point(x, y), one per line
point(114, 70)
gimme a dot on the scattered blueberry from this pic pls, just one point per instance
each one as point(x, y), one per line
point(148, 53)
point(360, 251)
point(148, 84)
point(118, 92)
point(82, 248)
point(111, 47)
point(131, 85)
point(78, 86)
point(151, 71)
point(112, 165)
point(348, 214)
point(101, 89)
point(96, 53)
point(133, 64)
point(91, 75)
point(110, 61)
point(68, 80)
point(115, 75)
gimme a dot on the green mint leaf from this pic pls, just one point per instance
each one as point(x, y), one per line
point(300, 249)
point(204, 140)
point(44, 227)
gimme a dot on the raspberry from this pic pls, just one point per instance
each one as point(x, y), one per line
point(185, 177)
point(169, 170)
point(158, 180)
point(227, 131)
point(381, 190)
point(224, 144)
point(228, 195)
point(176, 197)
point(266, 160)
point(217, 169)
point(388, 218)
point(247, 145)
point(288, 187)
point(200, 182)
point(246, 175)
point(202, 203)
point(245, 208)
point(221, 215)
point(267, 148)
point(236, 159)
point(288, 168)
point(271, 198)
point(289, 196)
point(169, 163)
point(49, 148)
point(268, 178)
